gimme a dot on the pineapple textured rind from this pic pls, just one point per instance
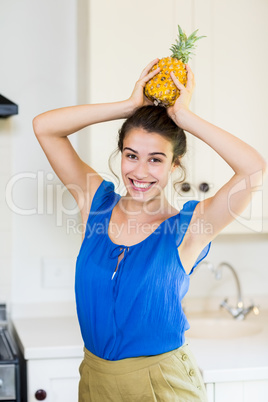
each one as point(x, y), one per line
point(161, 89)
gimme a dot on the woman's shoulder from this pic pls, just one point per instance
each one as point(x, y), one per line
point(104, 195)
point(180, 214)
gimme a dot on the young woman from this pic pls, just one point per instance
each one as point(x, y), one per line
point(138, 251)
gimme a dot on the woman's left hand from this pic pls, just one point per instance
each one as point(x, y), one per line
point(138, 98)
point(183, 101)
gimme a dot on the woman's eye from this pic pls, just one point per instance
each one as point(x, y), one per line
point(131, 156)
point(134, 157)
point(155, 160)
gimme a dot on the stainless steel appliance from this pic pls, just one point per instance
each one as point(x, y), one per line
point(9, 362)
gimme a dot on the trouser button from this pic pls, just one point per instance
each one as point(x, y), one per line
point(191, 372)
point(184, 357)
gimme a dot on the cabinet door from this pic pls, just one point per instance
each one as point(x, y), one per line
point(59, 378)
point(246, 391)
point(231, 91)
point(210, 392)
point(229, 391)
point(256, 391)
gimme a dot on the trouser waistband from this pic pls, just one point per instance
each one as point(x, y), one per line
point(128, 365)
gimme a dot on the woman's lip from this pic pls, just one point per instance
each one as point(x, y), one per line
point(139, 181)
point(138, 188)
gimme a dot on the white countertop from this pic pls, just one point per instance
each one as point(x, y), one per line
point(49, 337)
point(243, 358)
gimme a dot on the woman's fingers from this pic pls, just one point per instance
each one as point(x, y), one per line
point(146, 70)
point(137, 95)
point(143, 80)
point(149, 76)
point(177, 82)
point(185, 91)
point(190, 77)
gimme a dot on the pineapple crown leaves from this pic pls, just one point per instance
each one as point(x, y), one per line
point(183, 49)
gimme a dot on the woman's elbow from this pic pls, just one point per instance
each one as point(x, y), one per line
point(259, 164)
point(265, 166)
point(38, 126)
point(260, 171)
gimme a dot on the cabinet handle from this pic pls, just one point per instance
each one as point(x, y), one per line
point(40, 395)
point(204, 187)
point(185, 187)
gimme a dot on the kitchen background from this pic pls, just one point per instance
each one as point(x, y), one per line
point(64, 52)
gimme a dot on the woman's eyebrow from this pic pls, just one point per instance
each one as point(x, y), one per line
point(158, 153)
point(151, 153)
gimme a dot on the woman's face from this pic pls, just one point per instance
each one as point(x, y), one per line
point(146, 164)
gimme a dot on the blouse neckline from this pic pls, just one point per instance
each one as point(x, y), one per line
point(142, 241)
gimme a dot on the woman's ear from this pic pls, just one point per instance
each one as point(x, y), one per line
point(175, 165)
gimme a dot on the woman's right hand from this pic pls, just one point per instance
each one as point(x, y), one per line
point(137, 97)
point(176, 112)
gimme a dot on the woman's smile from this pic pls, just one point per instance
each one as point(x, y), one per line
point(141, 185)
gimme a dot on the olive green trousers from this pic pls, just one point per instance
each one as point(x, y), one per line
point(172, 376)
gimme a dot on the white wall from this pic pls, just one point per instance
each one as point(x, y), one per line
point(38, 70)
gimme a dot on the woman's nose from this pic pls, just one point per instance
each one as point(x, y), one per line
point(141, 171)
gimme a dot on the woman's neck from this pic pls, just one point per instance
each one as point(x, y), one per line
point(156, 206)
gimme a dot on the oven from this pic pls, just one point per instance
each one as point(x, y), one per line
point(9, 363)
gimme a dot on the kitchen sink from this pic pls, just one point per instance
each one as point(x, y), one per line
point(221, 328)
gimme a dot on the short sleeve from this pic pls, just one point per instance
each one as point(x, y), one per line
point(104, 200)
point(102, 195)
point(185, 217)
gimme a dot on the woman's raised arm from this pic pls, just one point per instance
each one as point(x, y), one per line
point(248, 166)
point(53, 127)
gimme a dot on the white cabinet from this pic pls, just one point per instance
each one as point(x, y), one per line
point(59, 379)
point(230, 391)
point(255, 391)
point(240, 391)
point(210, 391)
point(230, 69)
point(231, 92)
point(52, 351)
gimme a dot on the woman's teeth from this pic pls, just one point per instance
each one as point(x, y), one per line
point(141, 185)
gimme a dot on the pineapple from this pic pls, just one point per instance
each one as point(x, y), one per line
point(161, 89)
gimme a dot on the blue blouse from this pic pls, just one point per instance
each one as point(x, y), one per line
point(137, 310)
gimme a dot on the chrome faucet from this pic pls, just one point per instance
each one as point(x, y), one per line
point(239, 312)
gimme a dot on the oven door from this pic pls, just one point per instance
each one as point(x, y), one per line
point(7, 382)
point(9, 368)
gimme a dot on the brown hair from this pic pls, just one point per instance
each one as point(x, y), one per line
point(154, 119)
